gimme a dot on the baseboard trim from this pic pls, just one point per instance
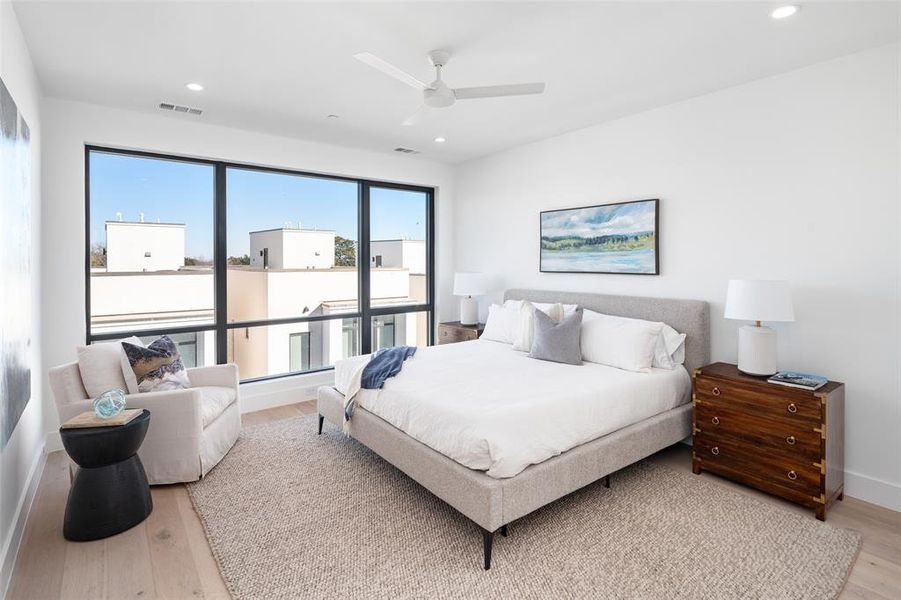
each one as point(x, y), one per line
point(873, 490)
point(280, 392)
point(14, 537)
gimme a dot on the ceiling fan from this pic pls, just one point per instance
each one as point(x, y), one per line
point(437, 94)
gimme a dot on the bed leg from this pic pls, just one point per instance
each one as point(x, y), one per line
point(488, 538)
point(321, 419)
point(504, 530)
point(607, 481)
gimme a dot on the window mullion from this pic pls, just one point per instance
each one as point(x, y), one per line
point(364, 266)
point(220, 266)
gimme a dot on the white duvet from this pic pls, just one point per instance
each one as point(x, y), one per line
point(492, 408)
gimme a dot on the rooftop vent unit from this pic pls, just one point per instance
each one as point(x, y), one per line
point(406, 150)
point(180, 109)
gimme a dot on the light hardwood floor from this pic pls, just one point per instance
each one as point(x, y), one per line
point(167, 556)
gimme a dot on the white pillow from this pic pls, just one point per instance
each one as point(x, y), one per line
point(101, 367)
point(620, 342)
point(526, 332)
point(545, 307)
point(662, 358)
point(675, 344)
point(502, 324)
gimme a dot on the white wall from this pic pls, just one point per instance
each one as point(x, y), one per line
point(305, 249)
point(127, 246)
point(293, 248)
point(21, 459)
point(791, 177)
point(70, 125)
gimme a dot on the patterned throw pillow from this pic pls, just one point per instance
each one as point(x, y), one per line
point(158, 366)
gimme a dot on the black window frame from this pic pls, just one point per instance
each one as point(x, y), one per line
point(364, 313)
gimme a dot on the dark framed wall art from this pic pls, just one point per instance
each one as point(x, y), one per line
point(619, 238)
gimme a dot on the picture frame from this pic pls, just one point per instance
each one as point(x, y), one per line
point(620, 238)
point(16, 320)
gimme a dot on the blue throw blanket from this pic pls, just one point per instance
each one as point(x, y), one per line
point(385, 363)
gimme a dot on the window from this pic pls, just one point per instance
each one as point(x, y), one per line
point(349, 338)
point(407, 329)
point(150, 245)
point(299, 351)
point(382, 332)
point(275, 270)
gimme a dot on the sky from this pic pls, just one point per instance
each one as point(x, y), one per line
point(179, 192)
point(633, 217)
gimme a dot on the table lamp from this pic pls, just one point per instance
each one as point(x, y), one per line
point(469, 285)
point(758, 300)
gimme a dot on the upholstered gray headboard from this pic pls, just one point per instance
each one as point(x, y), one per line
point(691, 317)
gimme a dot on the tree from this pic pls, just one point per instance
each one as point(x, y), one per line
point(239, 260)
point(98, 256)
point(345, 252)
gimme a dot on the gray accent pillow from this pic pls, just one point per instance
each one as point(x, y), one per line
point(558, 342)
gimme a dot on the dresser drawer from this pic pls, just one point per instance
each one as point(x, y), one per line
point(773, 401)
point(749, 429)
point(449, 335)
point(797, 474)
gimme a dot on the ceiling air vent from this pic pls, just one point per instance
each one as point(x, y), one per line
point(406, 150)
point(180, 109)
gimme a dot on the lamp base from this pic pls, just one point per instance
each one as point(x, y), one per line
point(469, 311)
point(757, 351)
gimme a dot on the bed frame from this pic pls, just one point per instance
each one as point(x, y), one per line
point(494, 503)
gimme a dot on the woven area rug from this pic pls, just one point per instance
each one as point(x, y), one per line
point(290, 514)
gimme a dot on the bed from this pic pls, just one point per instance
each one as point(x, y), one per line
point(471, 422)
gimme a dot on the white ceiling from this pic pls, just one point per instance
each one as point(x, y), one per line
point(283, 67)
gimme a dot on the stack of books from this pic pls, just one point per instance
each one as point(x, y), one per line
point(804, 381)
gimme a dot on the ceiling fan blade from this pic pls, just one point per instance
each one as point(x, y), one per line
point(388, 69)
point(417, 116)
point(495, 91)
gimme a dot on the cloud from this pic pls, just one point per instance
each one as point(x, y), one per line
point(597, 221)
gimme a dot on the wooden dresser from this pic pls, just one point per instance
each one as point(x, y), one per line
point(785, 441)
point(454, 331)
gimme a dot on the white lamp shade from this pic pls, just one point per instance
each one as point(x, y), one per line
point(759, 300)
point(471, 284)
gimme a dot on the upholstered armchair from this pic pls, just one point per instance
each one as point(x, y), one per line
point(190, 429)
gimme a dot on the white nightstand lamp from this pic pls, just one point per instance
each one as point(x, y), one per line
point(758, 300)
point(469, 285)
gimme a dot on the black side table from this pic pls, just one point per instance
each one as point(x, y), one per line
point(110, 492)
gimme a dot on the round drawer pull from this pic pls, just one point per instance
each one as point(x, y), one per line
point(792, 475)
point(715, 420)
point(792, 408)
point(790, 440)
point(716, 391)
point(715, 450)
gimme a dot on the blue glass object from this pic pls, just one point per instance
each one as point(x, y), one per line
point(109, 404)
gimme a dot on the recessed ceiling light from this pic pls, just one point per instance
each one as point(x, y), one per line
point(440, 139)
point(194, 87)
point(783, 12)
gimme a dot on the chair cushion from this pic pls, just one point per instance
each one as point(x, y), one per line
point(213, 401)
point(100, 366)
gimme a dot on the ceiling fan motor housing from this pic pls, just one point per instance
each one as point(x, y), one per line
point(439, 95)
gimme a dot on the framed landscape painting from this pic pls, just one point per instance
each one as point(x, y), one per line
point(608, 238)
